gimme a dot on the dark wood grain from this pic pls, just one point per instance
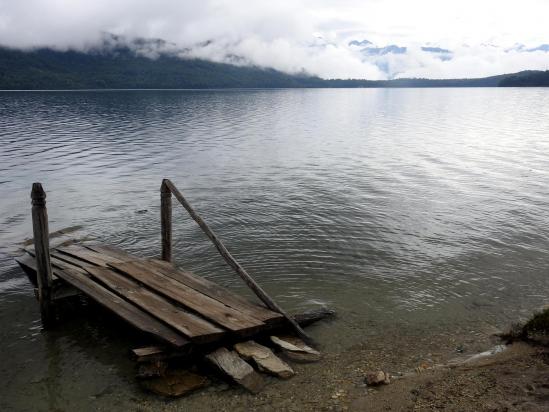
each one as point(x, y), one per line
point(209, 308)
point(217, 292)
point(192, 326)
point(120, 307)
point(166, 221)
point(42, 249)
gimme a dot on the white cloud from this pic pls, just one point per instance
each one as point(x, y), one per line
point(284, 34)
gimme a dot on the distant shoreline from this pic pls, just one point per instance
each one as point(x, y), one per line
point(228, 89)
point(122, 69)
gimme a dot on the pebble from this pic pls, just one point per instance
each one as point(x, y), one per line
point(377, 378)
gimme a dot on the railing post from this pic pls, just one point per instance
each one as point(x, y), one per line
point(166, 221)
point(42, 249)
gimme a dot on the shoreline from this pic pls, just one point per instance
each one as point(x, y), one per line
point(511, 379)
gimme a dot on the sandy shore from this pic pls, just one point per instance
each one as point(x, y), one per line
point(516, 379)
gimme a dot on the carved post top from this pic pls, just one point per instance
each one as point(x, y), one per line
point(38, 195)
point(164, 189)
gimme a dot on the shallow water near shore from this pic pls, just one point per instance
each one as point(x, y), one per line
point(411, 212)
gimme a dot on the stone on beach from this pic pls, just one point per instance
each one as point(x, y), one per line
point(237, 368)
point(377, 378)
point(265, 359)
point(295, 349)
point(175, 383)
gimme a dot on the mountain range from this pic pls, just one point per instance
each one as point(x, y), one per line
point(120, 66)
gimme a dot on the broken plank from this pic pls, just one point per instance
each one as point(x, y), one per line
point(217, 292)
point(206, 306)
point(88, 255)
point(70, 259)
point(156, 353)
point(58, 241)
point(63, 261)
point(29, 260)
point(264, 358)
point(130, 313)
point(237, 368)
point(28, 264)
point(192, 326)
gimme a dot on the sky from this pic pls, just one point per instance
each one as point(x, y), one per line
point(436, 39)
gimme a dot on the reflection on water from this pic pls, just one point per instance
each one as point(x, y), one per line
point(419, 209)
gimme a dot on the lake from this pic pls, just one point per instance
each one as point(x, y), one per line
point(412, 212)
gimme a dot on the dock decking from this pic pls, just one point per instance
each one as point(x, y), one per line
point(175, 306)
point(184, 312)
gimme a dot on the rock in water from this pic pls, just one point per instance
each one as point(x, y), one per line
point(377, 378)
point(175, 383)
point(237, 368)
point(265, 359)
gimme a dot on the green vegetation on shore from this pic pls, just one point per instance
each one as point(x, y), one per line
point(122, 68)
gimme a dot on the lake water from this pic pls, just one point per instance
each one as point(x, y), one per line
point(409, 211)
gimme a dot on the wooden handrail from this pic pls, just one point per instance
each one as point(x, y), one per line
point(252, 284)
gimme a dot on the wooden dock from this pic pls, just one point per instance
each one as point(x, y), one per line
point(180, 310)
point(173, 305)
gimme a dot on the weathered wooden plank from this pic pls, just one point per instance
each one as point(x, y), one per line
point(62, 240)
point(238, 369)
point(304, 319)
point(61, 259)
point(62, 263)
point(206, 306)
point(217, 292)
point(28, 264)
point(264, 358)
point(157, 353)
point(192, 326)
point(88, 255)
point(127, 311)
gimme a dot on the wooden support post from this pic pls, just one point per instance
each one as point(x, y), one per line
point(252, 284)
point(166, 221)
point(42, 250)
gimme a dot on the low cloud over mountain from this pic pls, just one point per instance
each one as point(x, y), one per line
point(343, 39)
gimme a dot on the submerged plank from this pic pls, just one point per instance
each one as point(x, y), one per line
point(192, 326)
point(206, 306)
point(60, 240)
point(238, 369)
point(88, 255)
point(111, 251)
point(130, 313)
point(217, 292)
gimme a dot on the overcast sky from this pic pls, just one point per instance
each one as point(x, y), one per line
point(482, 37)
